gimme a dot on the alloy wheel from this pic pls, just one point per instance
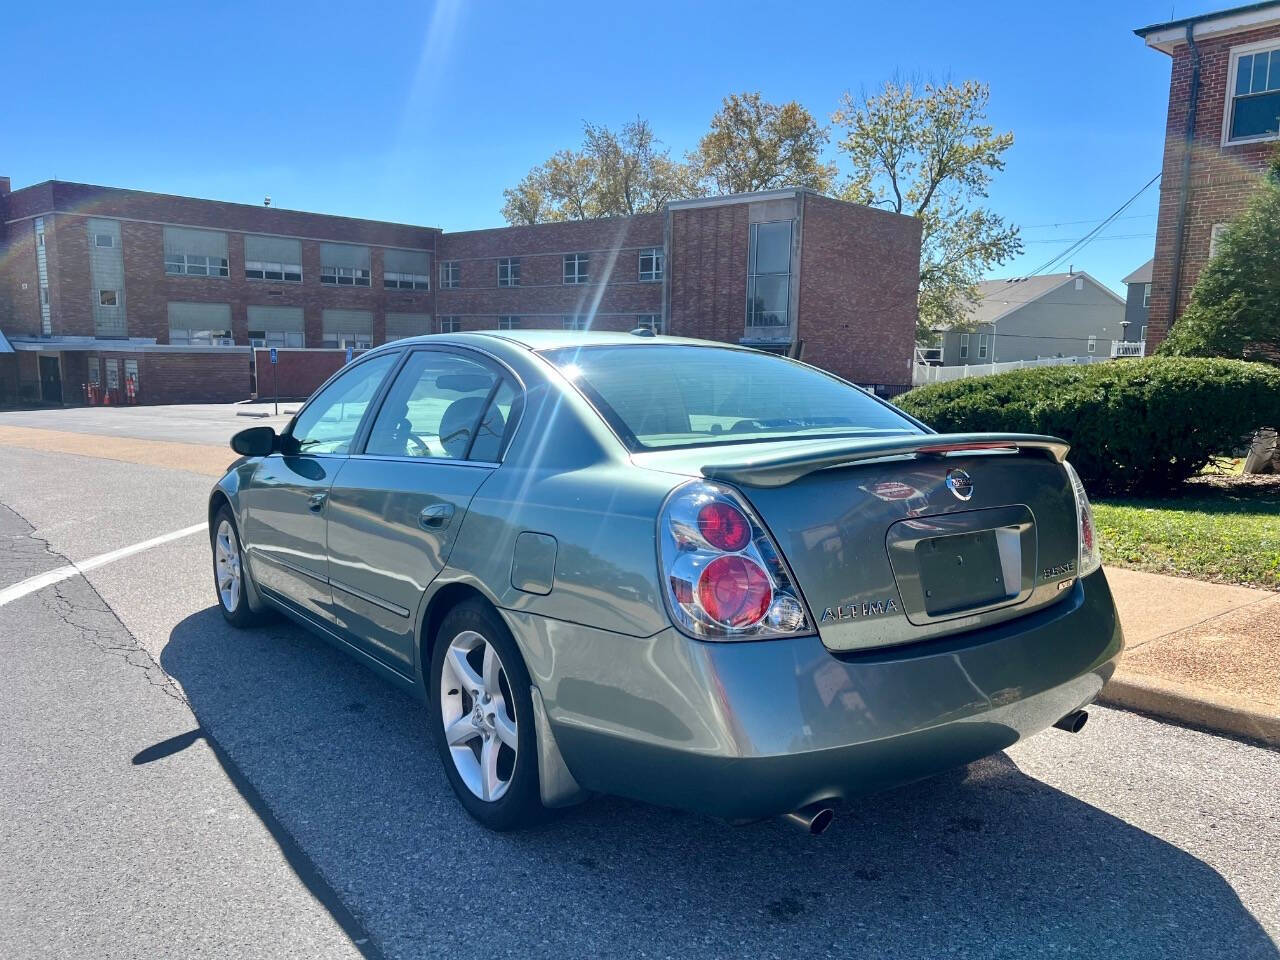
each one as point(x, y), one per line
point(226, 565)
point(478, 713)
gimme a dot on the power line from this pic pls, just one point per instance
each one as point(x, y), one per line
point(1076, 223)
point(1088, 237)
point(1114, 236)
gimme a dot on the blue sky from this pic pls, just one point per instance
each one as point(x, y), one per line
point(422, 113)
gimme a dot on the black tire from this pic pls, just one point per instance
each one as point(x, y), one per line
point(241, 616)
point(521, 805)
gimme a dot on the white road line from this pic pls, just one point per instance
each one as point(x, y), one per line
point(76, 568)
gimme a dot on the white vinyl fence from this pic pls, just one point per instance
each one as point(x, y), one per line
point(923, 373)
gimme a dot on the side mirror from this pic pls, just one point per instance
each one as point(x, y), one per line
point(254, 442)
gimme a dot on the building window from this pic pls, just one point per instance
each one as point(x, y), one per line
point(450, 275)
point(1146, 295)
point(406, 270)
point(649, 321)
point(1215, 238)
point(1092, 345)
point(406, 281)
point(509, 272)
point(651, 263)
point(769, 274)
point(508, 323)
point(195, 265)
point(964, 346)
point(982, 346)
point(577, 267)
point(275, 338)
point(272, 258)
point(579, 321)
point(450, 324)
point(44, 296)
point(39, 238)
point(1254, 104)
point(346, 328)
point(195, 253)
point(1143, 335)
point(344, 265)
point(103, 240)
point(109, 298)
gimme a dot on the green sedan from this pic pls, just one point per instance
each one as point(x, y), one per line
point(683, 572)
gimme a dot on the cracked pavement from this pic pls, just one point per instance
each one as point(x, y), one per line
point(172, 787)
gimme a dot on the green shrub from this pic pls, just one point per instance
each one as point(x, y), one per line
point(1135, 426)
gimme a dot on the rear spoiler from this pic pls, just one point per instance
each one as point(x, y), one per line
point(780, 467)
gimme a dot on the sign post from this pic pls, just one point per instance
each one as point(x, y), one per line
point(275, 380)
point(350, 353)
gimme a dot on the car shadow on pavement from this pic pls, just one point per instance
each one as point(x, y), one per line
point(981, 862)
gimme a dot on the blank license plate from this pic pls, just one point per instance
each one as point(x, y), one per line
point(960, 572)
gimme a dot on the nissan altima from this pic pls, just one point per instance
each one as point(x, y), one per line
point(688, 573)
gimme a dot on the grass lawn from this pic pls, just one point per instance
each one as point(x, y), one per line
point(1216, 528)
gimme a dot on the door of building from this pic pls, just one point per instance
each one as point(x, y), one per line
point(50, 380)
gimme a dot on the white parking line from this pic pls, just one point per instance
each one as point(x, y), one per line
point(76, 568)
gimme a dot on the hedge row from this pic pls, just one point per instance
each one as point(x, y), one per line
point(1135, 426)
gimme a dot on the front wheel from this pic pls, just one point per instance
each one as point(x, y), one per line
point(482, 718)
point(228, 571)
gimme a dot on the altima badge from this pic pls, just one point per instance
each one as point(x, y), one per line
point(848, 611)
point(959, 483)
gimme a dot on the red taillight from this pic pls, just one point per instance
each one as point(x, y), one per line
point(734, 591)
point(724, 526)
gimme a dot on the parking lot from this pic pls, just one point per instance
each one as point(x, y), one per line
point(170, 786)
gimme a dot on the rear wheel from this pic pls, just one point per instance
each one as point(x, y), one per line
point(229, 573)
point(482, 718)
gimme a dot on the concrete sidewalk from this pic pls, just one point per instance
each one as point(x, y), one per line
point(1201, 654)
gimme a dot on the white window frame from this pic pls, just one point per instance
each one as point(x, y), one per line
point(657, 264)
point(44, 296)
point(344, 276)
point(276, 338)
point(262, 267)
point(1142, 335)
point(1228, 109)
point(576, 321)
point(195, 265)
point(508, 323)
point(982, 346)
point(450, 324)
point(450, 274)
point(509, 272)
point(99, 237)
point(964, 346)
point(577, 269)
point(1146, 296)
point(115, 298)
point(650, 321)
point(405, 281)
point(1092, 344)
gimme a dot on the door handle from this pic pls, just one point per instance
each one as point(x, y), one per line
point(316, 503)
point(436, 516)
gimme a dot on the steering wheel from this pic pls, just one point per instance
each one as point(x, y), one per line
point(744, 426)
point(424, 450)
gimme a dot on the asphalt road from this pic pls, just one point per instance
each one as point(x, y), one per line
point(169, 786)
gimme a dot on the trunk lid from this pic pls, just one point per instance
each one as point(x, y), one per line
point(900, 539)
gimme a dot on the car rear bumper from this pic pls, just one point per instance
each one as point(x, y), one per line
point(750, 729)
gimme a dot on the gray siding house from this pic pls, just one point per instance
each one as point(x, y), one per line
point(1028, 318)
point(1138, 284)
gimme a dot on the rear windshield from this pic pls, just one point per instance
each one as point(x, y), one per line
point(669, 395)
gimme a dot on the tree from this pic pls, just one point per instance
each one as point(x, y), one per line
point(1235, 304)
point(928, 151)
point(615, 174)
point(756, 145)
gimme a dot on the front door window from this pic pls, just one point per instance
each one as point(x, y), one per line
point(329, 422)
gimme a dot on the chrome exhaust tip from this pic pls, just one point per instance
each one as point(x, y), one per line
point(1073, 722)
point(813, 819)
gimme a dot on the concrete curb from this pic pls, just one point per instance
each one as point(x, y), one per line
point(1188, 707)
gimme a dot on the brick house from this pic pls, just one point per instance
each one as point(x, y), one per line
point(183, 298)
point(1223, 124)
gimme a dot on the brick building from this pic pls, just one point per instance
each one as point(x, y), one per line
point(180, 299)
point(1223, 124)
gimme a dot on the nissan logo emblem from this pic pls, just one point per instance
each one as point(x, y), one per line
point(959, 483)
